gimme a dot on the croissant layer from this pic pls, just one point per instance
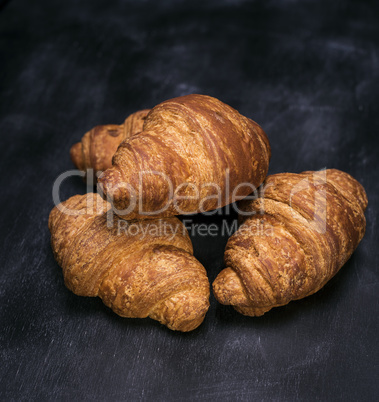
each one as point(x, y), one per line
point(138, 268)
point(97, 147)
point(294, 238)
point(192, 154)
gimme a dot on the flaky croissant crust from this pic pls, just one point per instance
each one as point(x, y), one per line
point(97, 147)
point(194, 141)
point(146, 270)
point(312, 223)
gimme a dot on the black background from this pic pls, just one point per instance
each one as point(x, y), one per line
point(307, 71)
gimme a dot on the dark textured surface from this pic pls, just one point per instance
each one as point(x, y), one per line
point(308, 72)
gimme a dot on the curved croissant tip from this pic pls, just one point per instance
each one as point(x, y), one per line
point(265, 140)
point(184, 312)
point(263, 136)
point(109, 181)
point(349, 186)
point(112, 187)
point(76, 155)
point(229, 290)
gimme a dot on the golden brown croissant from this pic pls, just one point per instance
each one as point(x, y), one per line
point(139, 269)
point(311, 225)
point(193, 153)
point(97, 147)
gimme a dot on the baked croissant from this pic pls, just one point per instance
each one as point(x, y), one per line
point(192, 154)
point(311, 224)
point(97, 147)
point(139, 269)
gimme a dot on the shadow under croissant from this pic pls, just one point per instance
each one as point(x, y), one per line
point(91, 307)
point(328, 296)
point(207, 247)
point(323, 301)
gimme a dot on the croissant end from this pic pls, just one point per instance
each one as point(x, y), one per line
point(76, 156)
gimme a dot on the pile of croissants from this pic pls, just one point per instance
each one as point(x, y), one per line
point(309, 223)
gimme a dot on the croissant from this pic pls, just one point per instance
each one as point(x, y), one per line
point(139, 269)
point(97, 147)
point(300, 231)
point(193, 153)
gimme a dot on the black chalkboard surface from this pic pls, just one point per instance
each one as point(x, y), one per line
point(308, 72)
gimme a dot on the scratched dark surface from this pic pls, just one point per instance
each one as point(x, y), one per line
point(307, 71)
